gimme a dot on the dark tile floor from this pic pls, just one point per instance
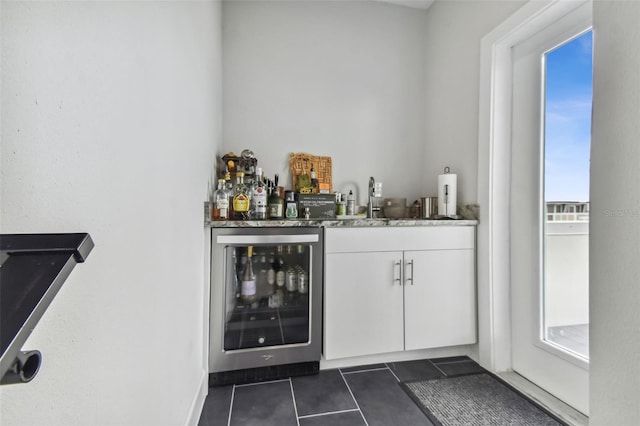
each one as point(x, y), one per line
point(367, 395)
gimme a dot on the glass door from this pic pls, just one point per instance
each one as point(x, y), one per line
point(267, 295)
point(544, 294)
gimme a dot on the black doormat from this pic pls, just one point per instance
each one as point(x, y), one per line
point(477, 399)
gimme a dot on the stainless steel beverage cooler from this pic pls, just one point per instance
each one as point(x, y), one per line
point(278, 333)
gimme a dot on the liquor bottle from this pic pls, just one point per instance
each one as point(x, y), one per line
point(220, 202)
point(258, 197)
point(314, 180)
point(276, 204)
point(241, 198)
point(228, 186)
point(248, 283)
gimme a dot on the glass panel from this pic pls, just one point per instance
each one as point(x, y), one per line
point(567, 133)
point(275, 310)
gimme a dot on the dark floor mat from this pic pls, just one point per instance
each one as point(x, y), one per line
point(477, 399)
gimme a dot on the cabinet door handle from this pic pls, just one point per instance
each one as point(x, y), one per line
point(410, 277)
point(397, 278)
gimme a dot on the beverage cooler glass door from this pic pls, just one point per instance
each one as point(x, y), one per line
point(266, 292)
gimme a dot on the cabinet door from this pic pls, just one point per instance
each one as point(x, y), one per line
point(363, 304)
point(440, 302)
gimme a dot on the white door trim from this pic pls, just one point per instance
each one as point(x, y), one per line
point(494, 175)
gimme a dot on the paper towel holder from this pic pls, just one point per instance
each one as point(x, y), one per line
point(447, 195)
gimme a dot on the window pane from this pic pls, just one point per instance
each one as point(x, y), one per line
point(567, 133)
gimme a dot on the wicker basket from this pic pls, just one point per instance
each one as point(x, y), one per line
point(300, 164)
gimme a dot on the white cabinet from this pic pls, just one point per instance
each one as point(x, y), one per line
point(393, 289)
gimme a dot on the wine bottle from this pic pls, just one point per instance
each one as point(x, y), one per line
point(248, 284)
point(264, 289)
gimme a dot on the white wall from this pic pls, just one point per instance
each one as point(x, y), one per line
point(110, 121)
point(341, 79)
point(453, 33)
point(615, 216)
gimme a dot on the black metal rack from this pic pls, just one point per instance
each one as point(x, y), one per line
point(33, 268)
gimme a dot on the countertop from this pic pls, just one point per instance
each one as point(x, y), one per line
point(333, 223)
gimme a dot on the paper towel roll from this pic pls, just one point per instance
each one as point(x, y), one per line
point(447, 190)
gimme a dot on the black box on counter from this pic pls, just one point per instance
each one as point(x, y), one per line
point(321, 206)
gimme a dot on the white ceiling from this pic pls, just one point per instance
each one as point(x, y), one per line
point(418, 4)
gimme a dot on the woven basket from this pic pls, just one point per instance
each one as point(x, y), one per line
point(300, 164)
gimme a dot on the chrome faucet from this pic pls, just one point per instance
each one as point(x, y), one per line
point(372, 211)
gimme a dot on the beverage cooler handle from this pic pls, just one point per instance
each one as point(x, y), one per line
point(410, 277)
point(267, 239)
point(397, 278)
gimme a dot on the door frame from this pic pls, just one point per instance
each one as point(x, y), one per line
point(494, 175)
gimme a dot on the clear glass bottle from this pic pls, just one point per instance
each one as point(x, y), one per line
point(248, 292)
point(258, 197)
point(241, 198)
point(220, 209)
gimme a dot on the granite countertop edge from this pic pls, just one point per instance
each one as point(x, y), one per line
point(336, 223)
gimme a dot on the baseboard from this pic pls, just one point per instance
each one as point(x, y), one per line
point(197, 404)
point(395, 357)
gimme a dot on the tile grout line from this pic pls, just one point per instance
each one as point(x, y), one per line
point(233, 394)
point(394, 374)
point(328, 413)
point(462, 361)
point(438, 368)
point(260, 383)
point(295, 406)
point(363, 371)
point(353, 396)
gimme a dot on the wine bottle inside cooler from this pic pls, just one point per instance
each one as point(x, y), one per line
point(262, 277)
point(248, 284)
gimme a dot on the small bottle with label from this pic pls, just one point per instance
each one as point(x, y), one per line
point(220, 209)
point(291, 211)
